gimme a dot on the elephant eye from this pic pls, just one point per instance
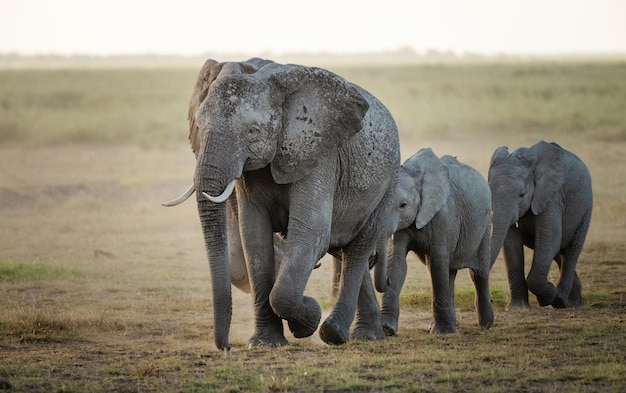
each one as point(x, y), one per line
point(522, 195)
point(254, 130)
point(403, 205)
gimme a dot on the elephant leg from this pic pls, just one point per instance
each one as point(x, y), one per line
point(482, 299)
point(397, 275)
point(303, 313)
point(442, 279)
point(368, 323)
point(547, 244)
point(258, 244)
point(335, 329)
point(514, 259)
point(575, 296)
point(480, 278)
point(569, 290)
point(308, 238)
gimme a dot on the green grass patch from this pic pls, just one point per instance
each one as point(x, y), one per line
point(463, 298)
point(12, 272)
point(596, 297)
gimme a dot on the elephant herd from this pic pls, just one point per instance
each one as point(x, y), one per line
point(295, 162)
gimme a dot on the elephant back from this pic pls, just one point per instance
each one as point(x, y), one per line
point(376, 145)
point(471, 190)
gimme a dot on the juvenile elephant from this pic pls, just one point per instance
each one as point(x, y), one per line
point(311, 157)
point(542, 199)
point(444, 212)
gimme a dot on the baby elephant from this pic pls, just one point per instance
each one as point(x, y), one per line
point(542, 199)
point(444, 211)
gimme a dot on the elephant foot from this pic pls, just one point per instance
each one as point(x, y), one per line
point(442, 328)
point(306, 326)
point(368, 333)
point(575, 295)
point(546, 293)
point(300, 330)
point(331, 333)
point(518, 304)
point(390, 325)
point(547, 300)
point(575, 301)
point(268, 332)
point(390, 330)
point(260, 340)
point(486, 320)
point(560, 302)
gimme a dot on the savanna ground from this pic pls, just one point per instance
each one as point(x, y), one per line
point(102, 289)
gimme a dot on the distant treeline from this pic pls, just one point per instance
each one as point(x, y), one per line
point(405, 54)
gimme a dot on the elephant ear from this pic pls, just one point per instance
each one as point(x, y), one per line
point(321, 112)
point(549, 174)
point(210, 71)
point(206, 76)
point(498, 155)
point(435, 186)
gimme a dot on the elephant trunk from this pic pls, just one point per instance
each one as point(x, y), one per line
point(501, 225)
point(212, 180)
point(213, 221)
point(381, 279)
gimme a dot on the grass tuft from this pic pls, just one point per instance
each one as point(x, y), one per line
point(33, 324)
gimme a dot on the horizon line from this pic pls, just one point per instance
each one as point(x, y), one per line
point(407, 52)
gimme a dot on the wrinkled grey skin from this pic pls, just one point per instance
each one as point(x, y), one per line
point(236, 257)
point(445, 218)
point(542, 199)
point(315, 159)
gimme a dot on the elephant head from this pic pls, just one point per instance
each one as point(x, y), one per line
point(251, 115)
point(423, 189)
point(254, 120)
point(207, 75)
point(525, 180)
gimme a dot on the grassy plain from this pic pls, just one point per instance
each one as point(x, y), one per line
point(102, 289)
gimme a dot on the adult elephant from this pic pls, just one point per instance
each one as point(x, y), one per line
point(310, 156)
point(542, 199)
point(444, 210)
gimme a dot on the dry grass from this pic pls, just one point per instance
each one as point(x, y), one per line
point(102, 289)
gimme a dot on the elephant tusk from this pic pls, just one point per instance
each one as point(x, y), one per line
point(516, 224)
point(219, 199)
point(181, 198)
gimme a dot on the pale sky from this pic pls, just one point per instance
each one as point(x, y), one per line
point(193, 27)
